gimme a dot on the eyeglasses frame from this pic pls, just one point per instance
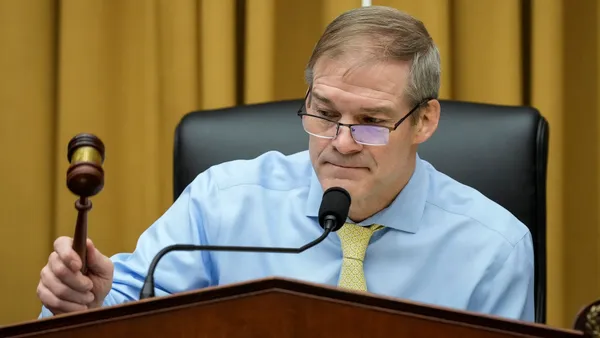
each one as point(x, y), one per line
point(300, 113)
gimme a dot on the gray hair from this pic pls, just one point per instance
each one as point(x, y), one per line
point(389, 35)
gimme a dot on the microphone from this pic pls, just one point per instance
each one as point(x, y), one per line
point(332, 216)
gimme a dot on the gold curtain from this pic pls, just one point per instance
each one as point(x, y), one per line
point(127, 70)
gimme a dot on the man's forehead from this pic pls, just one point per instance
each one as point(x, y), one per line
point(381, 107)
point(357, 60)
point(387, 76)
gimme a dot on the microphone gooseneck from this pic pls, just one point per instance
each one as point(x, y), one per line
point(332, 215)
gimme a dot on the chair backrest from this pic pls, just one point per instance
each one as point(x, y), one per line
point(499, 150)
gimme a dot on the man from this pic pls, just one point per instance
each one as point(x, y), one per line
point(373, 80)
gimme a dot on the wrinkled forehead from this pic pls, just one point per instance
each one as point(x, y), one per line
point(362, 73)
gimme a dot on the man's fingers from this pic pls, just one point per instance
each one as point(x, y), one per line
point(63, 246)
point(74, 280)
point(54, 304)
point(63, 291)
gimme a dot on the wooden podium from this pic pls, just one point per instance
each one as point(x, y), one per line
point(280, 308)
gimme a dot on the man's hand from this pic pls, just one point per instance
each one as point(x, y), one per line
point(63, 288)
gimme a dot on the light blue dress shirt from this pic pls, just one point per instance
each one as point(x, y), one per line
point(444, 243)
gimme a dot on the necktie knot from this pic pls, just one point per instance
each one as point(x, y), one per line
point(355, 240)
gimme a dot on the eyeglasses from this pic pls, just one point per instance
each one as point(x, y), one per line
point(366, 134)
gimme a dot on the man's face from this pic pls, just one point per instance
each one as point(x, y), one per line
point(368, 94)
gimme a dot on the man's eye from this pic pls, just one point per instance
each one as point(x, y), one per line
point(326, 114)
point(373, 120)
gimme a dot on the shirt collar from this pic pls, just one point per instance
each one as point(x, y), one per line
point(403, 214)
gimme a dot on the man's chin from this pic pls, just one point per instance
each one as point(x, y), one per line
point(352, 186)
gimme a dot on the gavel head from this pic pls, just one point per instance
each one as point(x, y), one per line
point(85, 176)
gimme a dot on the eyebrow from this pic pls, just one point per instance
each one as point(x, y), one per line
point(378, 110)
point(321, 98)
point(372, 110)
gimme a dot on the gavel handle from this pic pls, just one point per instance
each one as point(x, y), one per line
point(83, 205)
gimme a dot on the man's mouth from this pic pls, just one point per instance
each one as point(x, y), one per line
point(345, 166)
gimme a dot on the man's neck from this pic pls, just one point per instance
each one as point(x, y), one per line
point(365, 208)
point(381, 199)
point(361, 210)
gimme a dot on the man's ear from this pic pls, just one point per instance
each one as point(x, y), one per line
point(428, 121)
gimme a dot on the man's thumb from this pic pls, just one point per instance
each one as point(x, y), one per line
point(96, 261)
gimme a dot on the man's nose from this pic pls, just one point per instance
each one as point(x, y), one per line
point(344, 142)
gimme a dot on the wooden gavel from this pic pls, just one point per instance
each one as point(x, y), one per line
point(85, 178)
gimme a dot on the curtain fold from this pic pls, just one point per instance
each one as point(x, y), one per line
point(547, 95)
point(217, 45)
point(580, 112)
point(27, 132)
point(259, 73)
point(128, 70)
point(486, 40)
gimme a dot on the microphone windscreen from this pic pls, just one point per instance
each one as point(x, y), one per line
point(335, 202)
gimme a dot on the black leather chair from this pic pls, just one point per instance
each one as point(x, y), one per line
point(499, 150)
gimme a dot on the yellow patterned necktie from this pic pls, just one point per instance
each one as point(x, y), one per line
point(355, 240)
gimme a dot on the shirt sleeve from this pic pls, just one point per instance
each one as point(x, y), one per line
point(177, 271)
point(509, 290)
